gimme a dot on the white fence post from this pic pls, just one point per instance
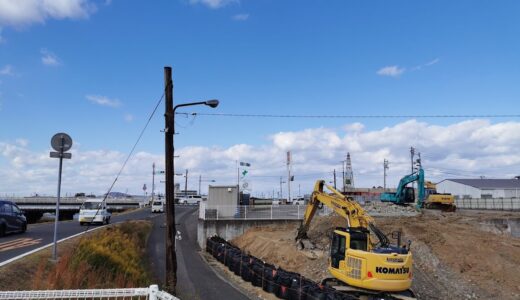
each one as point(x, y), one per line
point(153, 292)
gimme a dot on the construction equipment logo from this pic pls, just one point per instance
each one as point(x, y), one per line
point(385, 270)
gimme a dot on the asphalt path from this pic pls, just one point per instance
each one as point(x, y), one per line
point(195, 279)
point(42, 234)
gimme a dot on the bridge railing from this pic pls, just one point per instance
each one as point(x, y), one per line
point(150, 293)
point(251, 212)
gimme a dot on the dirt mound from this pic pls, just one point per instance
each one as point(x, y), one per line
point(462, 255)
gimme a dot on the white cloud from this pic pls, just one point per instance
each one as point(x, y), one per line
point(428, 64)
point(214, 4)
point(49, 58)
point(460, 150)
point(392, 71)
point(103, 100)
point(241, 17)
point(2, 40)
point(129, 117)
point(19, 13)
point(7, 70)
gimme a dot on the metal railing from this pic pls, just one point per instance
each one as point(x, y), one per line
point(251, 212)
point(150, 293)
point(489, 204)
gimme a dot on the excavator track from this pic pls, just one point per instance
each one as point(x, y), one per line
point(363, 294)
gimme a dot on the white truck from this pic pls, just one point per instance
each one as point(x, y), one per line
point(94, 211)
point(158, 205)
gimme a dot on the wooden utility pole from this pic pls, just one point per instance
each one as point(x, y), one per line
point(171, 258)
point(335, 179)
point(186, 184)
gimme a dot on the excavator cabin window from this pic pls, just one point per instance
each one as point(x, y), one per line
point(358, 240)
point(337, 249)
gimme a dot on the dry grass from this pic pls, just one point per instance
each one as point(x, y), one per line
point(113, 257)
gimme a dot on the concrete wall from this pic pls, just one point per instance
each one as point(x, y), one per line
point(229, 229)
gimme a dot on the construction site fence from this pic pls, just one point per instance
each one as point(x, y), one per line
point(251, 212)
point(150, 293)
point(489, 204)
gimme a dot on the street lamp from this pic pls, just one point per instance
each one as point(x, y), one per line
point(169, 116)
point(205, 180)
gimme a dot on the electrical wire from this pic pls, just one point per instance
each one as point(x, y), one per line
point(127, 158)
point(243, 115)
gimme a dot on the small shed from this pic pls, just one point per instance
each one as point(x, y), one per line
point(224, 198)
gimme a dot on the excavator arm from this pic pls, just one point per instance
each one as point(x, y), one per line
point(346, 207)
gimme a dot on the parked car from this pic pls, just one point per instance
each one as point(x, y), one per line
point(298, 201)
point(191, 199)
point(12, 218)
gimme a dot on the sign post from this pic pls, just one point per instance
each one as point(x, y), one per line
point(61, 142)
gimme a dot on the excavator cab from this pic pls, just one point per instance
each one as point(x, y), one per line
point(343, 239)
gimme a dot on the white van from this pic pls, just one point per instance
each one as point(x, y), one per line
point(94, 211)
point(158, 206)
point(191, 199)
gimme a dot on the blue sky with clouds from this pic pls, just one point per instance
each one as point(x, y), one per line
point(94, 69)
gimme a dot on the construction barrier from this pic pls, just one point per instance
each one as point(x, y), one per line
point(282, 283)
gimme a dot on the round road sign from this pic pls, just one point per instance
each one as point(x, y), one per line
point(61, 142)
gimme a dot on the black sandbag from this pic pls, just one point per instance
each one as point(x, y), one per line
point(269, 284)
point(284, 281)
point(220, 254)
point(209, 245)
point(235, 266)
point(299, 287)
point(257, 270)
point(245, 268)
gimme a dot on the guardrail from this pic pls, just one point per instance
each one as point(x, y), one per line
point(251, 212)
point(489, 204)
point(150, 293)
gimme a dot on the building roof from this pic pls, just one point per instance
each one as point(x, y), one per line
point(490, 183)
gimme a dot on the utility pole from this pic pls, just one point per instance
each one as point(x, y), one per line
point(412, 153)
point(200, 179)
point(281, 195)
point(288, 176)
point(153, 180)
point(186, 184)
point(334, 178)
point(171, 258)
point(385, 167)
point(343, 165)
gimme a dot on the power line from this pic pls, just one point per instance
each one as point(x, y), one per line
point(241, 115)
point(129, 155)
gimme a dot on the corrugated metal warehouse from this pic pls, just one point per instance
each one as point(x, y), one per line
point(480, 188)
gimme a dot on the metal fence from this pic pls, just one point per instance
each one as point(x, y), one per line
point(251, 212)
point(489, 204)
point(150, 293)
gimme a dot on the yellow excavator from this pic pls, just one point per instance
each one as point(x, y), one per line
point(362, 261)
point(434, 200)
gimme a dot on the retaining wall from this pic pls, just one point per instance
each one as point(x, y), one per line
point(229, 229)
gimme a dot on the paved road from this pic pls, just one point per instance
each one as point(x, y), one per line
point(42, 234)
point(196, 280)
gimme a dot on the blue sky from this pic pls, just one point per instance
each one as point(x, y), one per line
point(94, 69)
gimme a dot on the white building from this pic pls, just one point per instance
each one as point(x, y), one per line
point(480, 188)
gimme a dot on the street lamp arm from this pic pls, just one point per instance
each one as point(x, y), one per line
point(212, 103)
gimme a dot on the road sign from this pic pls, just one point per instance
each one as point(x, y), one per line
point(61, 142)
point(63, 155)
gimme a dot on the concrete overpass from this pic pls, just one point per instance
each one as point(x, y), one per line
point(35, 207)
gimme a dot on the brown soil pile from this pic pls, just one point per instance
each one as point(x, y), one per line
point(465, 255)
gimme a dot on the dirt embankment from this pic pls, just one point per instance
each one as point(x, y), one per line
point(465, 255)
